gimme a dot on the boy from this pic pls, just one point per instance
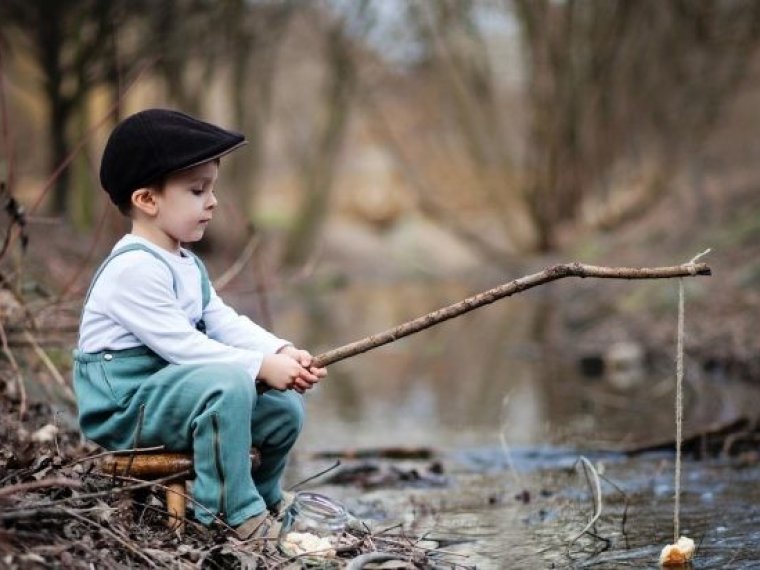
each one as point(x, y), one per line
point(161, 360)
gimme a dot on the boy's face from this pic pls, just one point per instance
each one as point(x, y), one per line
point(186, 203)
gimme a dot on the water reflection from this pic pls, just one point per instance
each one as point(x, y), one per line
point(502, 374)
point(443, 387)
point(506, 371)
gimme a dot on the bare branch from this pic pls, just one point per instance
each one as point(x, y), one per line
point(507, 289)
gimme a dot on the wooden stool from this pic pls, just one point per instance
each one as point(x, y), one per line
point(157, 465)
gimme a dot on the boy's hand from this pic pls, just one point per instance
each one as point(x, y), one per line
point(311, 375)
point(282, 372)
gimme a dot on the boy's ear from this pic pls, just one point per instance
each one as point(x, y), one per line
point(144, 199)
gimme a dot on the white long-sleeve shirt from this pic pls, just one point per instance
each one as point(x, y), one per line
point(133, 303)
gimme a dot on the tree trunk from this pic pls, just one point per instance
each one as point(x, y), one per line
point(50, 44)
point(320, 166)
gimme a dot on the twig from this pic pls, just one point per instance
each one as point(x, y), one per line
point(261, 281)
point(132, 548)
point(225, 278)
point(381, 532)
point(361, 561)
point(66, 289)
point(507, 289)
point(625, 504)
point(42, 355)
point(423, 548)
point(117, 452)
point(41, 484)
point(52, 507)
point(57, 424)
point(323, 472)
point(594, 502)
point(505, 445)
point(22, 407)
point(159, 483)
point(598, 513)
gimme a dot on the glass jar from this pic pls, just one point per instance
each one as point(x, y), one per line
point(312, 526)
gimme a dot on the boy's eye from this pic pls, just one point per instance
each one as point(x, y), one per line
point(197, 191)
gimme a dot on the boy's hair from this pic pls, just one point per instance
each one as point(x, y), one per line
point(148, 146)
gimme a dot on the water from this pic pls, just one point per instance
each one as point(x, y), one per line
point(498, 395)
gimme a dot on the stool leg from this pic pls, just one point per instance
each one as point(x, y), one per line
point(175, 505)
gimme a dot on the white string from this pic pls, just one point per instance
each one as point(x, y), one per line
point(679, 410)
point(679, 396)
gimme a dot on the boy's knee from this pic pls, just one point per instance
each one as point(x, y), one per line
point(235, 380)
point(293, 411)
point(228, 381)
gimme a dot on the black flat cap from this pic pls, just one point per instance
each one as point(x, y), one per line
point(148, 145)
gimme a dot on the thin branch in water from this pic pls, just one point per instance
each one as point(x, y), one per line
point(308, 479)
point(505, 445)
point(598, 512)
point(625, 506)
point(593, 497)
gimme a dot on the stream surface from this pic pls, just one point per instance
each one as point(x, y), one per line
point(501, 400)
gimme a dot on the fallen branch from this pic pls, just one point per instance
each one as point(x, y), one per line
point(702, 441)
point(506, 290)
point(41, 484)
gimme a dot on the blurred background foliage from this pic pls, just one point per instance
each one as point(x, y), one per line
point(506, 124)
point(404, 154)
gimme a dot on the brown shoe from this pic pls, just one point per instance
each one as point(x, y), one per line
point(260, 526)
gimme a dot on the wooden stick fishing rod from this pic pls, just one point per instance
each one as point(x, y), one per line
point(506, 290)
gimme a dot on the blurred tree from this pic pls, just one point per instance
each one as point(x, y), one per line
point(71, 43)
point(616, 94)
point(463, 70)
point(613, 81)
point(318, 161)
point(253, 32)
point(183, 34)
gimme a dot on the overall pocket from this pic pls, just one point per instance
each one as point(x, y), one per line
point(125, 373)
point(93, 391)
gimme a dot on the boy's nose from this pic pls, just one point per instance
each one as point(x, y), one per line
point(212, 202)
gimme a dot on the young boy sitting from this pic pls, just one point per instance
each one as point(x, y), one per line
point(161, 359)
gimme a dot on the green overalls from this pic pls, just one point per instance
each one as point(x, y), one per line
point(134, 398)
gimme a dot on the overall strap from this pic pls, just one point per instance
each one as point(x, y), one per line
point(205, 291)
point(125, 249)
point(205, 281)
